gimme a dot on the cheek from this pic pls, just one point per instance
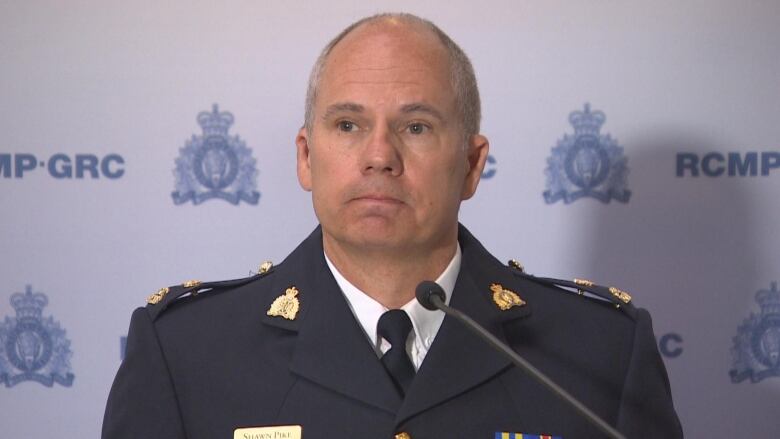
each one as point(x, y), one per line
point(330, 175)
point(454, 173)
point(321, 168)
point(327, 161)
point(442, 183)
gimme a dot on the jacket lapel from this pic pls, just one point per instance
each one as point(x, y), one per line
point(458, 360)
point(331, 348)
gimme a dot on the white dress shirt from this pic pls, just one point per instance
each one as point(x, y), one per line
point(425, 323)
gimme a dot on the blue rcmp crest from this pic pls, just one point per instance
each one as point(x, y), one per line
point(33, 348)
point(757, 343)
point(215, 165)
point(587, 164)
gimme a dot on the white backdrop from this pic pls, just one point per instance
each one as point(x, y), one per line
point(100, 78)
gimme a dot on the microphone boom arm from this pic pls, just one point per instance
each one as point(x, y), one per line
point(526, 366)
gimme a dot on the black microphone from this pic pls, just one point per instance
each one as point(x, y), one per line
point(427, 291)
point(432, 296)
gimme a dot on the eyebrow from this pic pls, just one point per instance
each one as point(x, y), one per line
point(418, 107)
point(342, 106)
point(414, 107)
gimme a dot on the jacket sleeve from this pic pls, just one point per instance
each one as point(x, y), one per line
point(142, 402)
point(646, 408)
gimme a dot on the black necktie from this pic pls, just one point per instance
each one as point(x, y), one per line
point(394, 326)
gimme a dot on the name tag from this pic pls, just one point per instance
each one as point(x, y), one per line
point(278, 432)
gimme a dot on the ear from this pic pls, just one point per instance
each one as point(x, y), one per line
point(303, 155)
point(476, 156)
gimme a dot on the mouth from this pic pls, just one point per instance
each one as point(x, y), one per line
point(377, 198)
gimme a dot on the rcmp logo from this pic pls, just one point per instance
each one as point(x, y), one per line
point(757, 343)
point(33, 348)
point(215, 165)
point(587, 164)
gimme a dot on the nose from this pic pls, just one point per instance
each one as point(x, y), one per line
point(381, 154)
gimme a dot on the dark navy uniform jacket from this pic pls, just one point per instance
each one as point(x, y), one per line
point(200, 366)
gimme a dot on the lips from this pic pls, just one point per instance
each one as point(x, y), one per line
point(377, 203)
point(376, 192)
point(381, 198)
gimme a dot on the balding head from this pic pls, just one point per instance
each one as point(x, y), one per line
point(461, 77)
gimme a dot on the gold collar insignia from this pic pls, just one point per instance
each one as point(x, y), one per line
point(504, 298)
point(286, 306)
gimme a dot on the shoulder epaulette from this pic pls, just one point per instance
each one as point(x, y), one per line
point(583, 287)
point(160, 300)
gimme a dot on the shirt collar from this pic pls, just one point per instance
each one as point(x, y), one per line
point(425, 323)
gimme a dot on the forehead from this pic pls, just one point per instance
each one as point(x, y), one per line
point(375, 56)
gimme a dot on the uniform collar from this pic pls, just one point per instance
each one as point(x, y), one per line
point(425, 323)
point(332, 349)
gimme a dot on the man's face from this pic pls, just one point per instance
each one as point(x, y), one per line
point(386, 160)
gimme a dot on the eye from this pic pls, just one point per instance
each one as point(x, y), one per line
point(417, 128)
point(346, 126)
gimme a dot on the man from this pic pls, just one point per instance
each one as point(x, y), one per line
point(389, 149)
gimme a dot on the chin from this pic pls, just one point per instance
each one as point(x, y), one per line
point(372, 234)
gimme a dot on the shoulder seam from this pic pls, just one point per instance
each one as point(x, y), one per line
point(193, 288)
point(620, 299)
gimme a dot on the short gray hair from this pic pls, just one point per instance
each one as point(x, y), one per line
point(464, 82)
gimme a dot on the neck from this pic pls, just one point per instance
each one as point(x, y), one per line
point(389, 277)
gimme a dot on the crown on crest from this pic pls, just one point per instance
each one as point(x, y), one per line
point(29, 305)
point(215, 122)
point(587, 122)
point(769, 300)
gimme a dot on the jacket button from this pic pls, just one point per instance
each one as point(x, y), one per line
point(403, 435)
